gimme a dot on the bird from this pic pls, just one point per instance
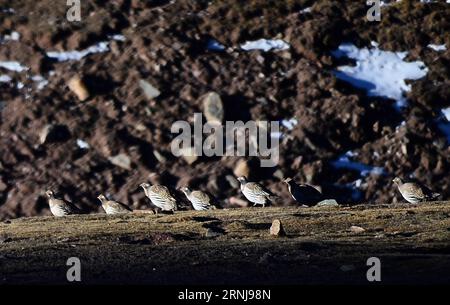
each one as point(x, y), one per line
point(255, 192)
point(200, 200)
point(304, 194)
point(60, 207)
point(113, 207)
point(160, 196)
point(414, 192)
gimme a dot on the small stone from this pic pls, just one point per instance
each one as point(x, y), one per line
point(328, 203)
point(213, 107)
point(77, 86)
point(53, 133)
point(149, 90)
point(277, 228)
point(234, 201)
point(121, 160)
point(242, 169)
point(232, 181)
point(356, 229)
point(159, 156)
point(3, 186)
point(189, 155)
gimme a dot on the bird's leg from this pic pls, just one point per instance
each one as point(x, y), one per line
point(254, 204)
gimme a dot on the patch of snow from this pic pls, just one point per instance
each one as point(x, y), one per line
point(214, 45)
point(117, 37)
point(5, 79)
point(82, 144)
point(446, 113)
point(265, 45)
point(289, 124)
point(78, 55)
point(13, 66)
point(20, 85)
point(437, 47)
point(381, 73)
point(41, 81)
point(364, 170)
point(306, 10)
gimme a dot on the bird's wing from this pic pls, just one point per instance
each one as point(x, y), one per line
point(163, 192)
point(201, 196)
point(414, 189)
point(259, 189)
point(118, 205)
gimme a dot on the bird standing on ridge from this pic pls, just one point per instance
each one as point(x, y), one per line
point(255, 192)
point(160, 196)
point(414, 192)
point(304, 194)
point(200, 200)
point(60, 207)
point(113, 207)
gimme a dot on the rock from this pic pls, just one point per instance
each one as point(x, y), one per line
point(242, 168)
point(328, 203)
point(150, 91)
point(3, 186)
point(277, 228)
point(234, 201)
point(189, 155)
point(53, 133)
point(356, 229)
point(234, 183)
point(159, 156)
point(77, 86)
point(212, 107)
point(121, 160)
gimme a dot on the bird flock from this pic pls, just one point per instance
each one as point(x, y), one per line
point(161, 197)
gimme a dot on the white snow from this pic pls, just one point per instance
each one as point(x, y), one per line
point(306, 10)
point(15, 36)
point(437, 47)
point(78, 55)
point(41, 82)
point(82, 144)
point(5, 78)
point(446, 113)
point(364, 170)
point(214, 45)
point(13, 66)
point(117, 37)
point(289, 124)
point(381, 73)
point(265, 45)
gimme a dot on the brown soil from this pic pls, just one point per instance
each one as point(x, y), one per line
point(214, 247)
point(165, 44)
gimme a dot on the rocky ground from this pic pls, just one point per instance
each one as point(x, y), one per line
point(320, 245)
point(51, 137)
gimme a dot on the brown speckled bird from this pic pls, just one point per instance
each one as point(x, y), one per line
point(160, 196)
point(303, 194)
point(60, 207)
point(113, 207)
point(414, 192)
point(200, 200)
point(255, 192)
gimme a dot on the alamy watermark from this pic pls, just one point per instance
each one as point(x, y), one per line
point(74, 11)
point(374, 12)
point(73, 274)
point(253, 138)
